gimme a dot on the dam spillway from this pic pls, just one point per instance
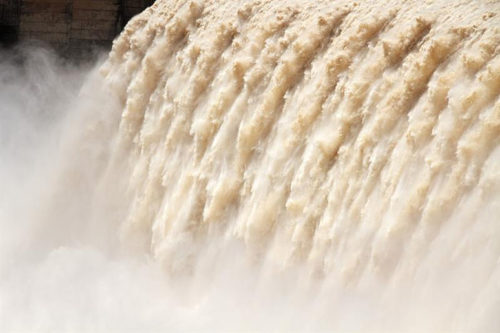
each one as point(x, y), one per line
point(339, 159)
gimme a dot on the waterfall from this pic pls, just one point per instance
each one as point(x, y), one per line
point(290, 166)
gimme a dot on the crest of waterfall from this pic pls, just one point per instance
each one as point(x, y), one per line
point(358, 138)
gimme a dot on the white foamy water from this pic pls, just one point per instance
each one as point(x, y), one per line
point(260, 166)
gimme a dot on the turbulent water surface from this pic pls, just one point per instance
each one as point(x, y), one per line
point(259, 165)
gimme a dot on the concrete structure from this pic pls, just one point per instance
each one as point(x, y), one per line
point(9, 21)
point(71, 26)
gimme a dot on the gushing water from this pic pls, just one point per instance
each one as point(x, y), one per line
point(273, 166)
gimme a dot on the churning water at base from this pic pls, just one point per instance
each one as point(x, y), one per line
point(260, 166)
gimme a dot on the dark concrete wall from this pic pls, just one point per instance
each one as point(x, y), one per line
point(9, 21)
point(133, 7)
point(70, 26)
